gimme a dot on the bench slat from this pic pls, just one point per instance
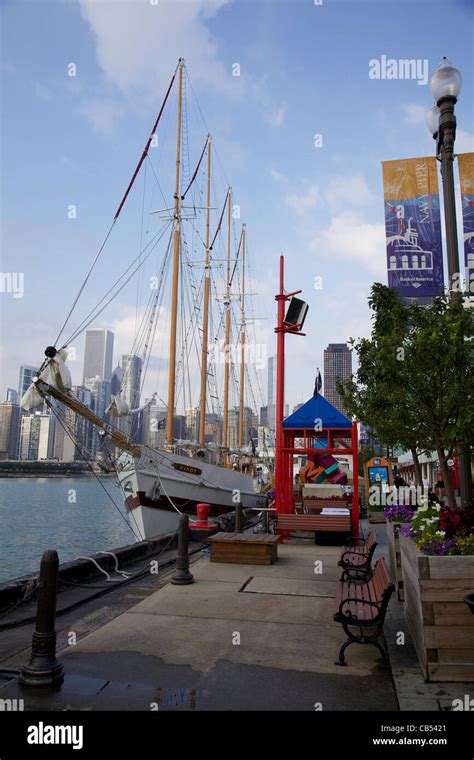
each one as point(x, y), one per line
point(328, 523)
point(373, 591)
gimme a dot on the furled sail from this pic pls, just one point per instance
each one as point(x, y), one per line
point(54, 373)
point(118, 407)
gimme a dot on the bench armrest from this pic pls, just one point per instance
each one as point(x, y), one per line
point(357, 574)
point(351, 553)
point(359, 601)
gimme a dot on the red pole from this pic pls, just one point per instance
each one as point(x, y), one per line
point(280, 392)
point(291, 499)
point(355, 474)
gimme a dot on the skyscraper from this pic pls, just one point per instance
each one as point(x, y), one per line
point(192, 423)
point(30, 435)
point(100, 399)
point(131, 386)
point(98, 353)
point(337, 366)
point(155, 436)
point(213, 428)
point(234, 426)
point(271, 394)
point(12, 395)
point(100, 394)
point(46, 436)
point(82, 428)
point(116, 380)
point(27, 372)
point(131, 380)
point(9, 430)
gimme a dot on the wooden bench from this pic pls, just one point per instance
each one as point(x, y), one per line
point(315, 523)
point(313, 506)
point(244, 548)
point(359, 556)
point(364, 606)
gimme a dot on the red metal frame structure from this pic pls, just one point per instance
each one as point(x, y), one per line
point(296, 441)
point(281, 329)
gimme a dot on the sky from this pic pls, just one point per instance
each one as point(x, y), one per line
point(300, 134)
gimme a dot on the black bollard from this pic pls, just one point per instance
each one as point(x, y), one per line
point(43, 668)
point(266, 520)
point(239, 518)
point(182, 576)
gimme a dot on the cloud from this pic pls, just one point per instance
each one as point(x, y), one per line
point(350, 238)
point(279, 116)
point(102, 114)
point(303, 202)
point(414, 114)
point(278, 176)
point(352, 190)
point(275, 115)
point(139, 42)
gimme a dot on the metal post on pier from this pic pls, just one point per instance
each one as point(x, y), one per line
point(43, 669)
point(182, 576)
point(239, 518)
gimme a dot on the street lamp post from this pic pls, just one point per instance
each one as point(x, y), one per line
point(445, 87)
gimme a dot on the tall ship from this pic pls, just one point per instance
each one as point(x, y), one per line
point(176, 472)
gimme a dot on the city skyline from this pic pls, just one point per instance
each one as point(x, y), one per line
point(326, 196)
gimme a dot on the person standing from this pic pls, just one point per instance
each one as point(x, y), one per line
point(439, 489)
point(398, 482)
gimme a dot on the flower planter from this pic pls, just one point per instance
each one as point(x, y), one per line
point(395, 558)
point(376, 516)
point(441, 626)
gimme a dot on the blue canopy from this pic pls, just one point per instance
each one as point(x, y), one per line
point(317, 408)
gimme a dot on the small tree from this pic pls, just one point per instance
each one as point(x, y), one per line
point(414, 384)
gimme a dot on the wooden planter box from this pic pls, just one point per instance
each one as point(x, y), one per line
point(395, 558)
point(440, 623)
point(244, 548)
point(376, 517)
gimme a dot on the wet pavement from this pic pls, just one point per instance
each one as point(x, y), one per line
point(242, 637)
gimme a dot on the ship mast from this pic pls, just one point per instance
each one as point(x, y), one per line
point(175, 283)
point(242, 355)
point(225, 432)
point(205, 323)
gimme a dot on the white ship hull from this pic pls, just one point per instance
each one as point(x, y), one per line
point(160, 485)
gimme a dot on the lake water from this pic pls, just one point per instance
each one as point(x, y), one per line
point(40, 513)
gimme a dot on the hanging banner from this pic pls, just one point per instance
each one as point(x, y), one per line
point(466, 177)
point(413, 227)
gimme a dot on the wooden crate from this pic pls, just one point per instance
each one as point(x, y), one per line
point(441, 625)
point(244, 548)
point(395, 558)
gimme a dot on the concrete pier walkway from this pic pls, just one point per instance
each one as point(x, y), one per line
point(242, 637)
